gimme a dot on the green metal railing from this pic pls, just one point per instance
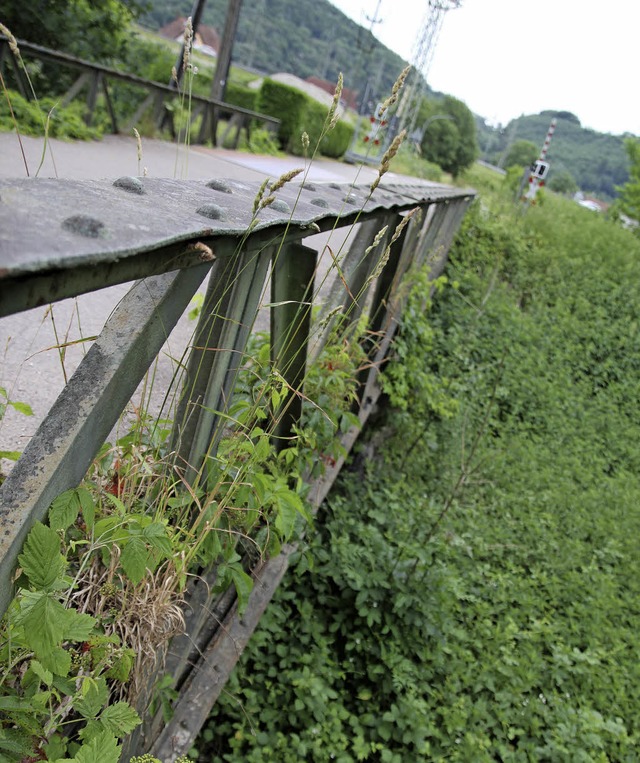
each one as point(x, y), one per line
point(65, 238)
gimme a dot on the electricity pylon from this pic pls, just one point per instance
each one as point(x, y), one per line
point(423, 50)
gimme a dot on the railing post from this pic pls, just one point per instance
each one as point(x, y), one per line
point(92, 97)
point(228, 312)
point(292, 279)
point(110, 109)
point(82, 81)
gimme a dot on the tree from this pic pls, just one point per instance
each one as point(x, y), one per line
point(450, 140)
point(98, 30)
point(521, 153)
point(563, 182)
point(629, 200)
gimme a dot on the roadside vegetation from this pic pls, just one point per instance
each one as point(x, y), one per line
point(473, 586)
point(470, 592)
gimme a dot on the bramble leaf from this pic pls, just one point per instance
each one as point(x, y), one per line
point(44, 625)
point(41, 560)
point(46, 676)
point(134, 559)
point(103, 748)
point(95, 695)
point(66, 507)
point(77, 625)
point(16, 742)
point(58, 661)
point(156, 535)
point(120, 718)
point(64, 510)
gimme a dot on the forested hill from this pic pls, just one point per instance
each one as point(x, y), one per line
point(305, 37)
point(312, 37)
point(597, 161)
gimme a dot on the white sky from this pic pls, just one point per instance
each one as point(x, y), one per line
point(505, 58)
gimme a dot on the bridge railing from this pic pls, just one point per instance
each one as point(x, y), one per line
point(62, 239)
point(96, 79)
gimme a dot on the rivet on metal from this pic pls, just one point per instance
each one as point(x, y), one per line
point(309, 186)
point(320, 202)
point(213, 212)
point(84, 226)
point(220, 185)
point(281, 206)
point(336, 186)
point(350, 199)
point(131, 184)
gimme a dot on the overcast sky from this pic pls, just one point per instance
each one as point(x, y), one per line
point(505, 58)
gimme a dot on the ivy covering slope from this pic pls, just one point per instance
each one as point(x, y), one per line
point(474, 590)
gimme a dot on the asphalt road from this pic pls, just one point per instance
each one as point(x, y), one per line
point(33, 369)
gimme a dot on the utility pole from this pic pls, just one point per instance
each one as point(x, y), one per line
point(196, 15)
point(223, 64)
point(367, 53)
point(163, 117)
point(352, 154)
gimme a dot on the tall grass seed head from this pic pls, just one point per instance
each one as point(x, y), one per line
point(395, 91)
point(13, 43)
point(258, 199)
point(188, 39)
point(333, 115)
point(388, 156)
point(284, 179)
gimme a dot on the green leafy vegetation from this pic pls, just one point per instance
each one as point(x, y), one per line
point(473, 594)
point(99, 585)
point(99, 30)
point(521, 153)
point(55, 661)
point(449, 134)
point(629, 202)
point(299, 113)
point(66, 122)
point(596, 161)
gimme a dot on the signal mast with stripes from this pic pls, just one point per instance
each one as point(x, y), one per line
point(535, 176)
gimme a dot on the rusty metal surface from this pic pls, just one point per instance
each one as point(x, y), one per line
point(50, 225)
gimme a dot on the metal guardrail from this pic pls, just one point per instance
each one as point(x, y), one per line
point(95, 79)
point(65, 238)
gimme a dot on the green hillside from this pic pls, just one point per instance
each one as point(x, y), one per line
point(597, 161)
point(308, 37)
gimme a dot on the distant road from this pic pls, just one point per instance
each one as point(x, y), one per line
point(116, 155)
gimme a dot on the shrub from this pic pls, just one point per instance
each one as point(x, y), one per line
point(297, 114)
point(239, 95)
point(64, 121)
